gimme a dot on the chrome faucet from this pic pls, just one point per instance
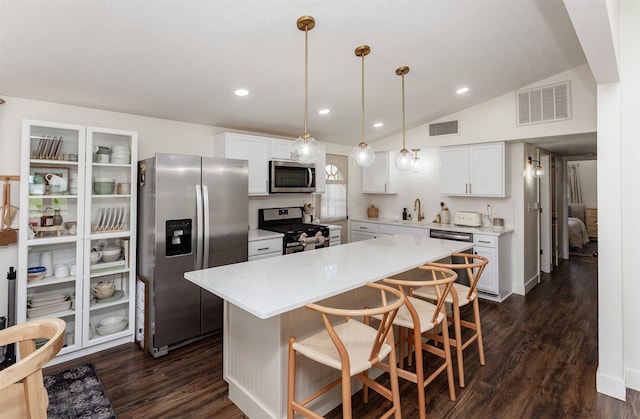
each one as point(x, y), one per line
point(417, 206)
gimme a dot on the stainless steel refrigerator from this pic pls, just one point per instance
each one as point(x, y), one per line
point(192, 214)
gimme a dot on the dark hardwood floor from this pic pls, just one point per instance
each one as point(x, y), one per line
point(541, 358)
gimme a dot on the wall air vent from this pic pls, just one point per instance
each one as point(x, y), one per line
point(544, 104)
point(443, 128)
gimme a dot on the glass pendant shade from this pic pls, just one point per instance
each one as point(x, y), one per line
point(537, 171)
point(404, 160)
point(363, 155)
point(418, 163)
point(305, 149)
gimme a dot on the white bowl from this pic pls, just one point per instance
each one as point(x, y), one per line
point(111, 321)
point(111, 253)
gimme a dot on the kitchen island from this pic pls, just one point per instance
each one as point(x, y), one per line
point(265, 305)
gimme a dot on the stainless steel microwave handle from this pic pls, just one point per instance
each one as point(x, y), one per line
point(310, 177)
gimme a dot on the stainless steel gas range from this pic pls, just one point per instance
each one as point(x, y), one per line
point(298, 236)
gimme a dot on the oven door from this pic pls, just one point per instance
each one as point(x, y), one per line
point(291, 177)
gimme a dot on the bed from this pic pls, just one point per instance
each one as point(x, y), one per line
point(578, 236)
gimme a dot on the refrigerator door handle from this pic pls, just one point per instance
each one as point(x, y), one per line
point(310, 178)
point(205, 199)
point(199, 224)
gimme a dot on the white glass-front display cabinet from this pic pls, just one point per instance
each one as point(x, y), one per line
point(78, 201)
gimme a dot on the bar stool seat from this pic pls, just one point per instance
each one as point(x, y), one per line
point(352, 347)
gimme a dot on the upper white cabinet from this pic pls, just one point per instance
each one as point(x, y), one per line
point(381, 176)
point(475, 170)
point(78, 221)
point(280, 149)
point(252, 148)
point(321, 175)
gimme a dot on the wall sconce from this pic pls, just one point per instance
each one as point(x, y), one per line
point(536, 170)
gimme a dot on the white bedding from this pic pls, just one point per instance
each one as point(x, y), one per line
point(577, 233)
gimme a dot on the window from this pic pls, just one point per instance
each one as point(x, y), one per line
point(333, 203)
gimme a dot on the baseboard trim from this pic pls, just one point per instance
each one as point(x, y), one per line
point(611, 386)
point(632, 379)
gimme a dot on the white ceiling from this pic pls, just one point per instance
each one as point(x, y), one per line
point(182, 60)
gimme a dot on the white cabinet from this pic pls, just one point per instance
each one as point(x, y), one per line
point(265, 248)
point(476, 170)
point(335, 235)
point(496, 278)
point(58, 173)
point(402, 229)
point(361, 230)
point(381, 176)
point(252, 148)
point(280, 149)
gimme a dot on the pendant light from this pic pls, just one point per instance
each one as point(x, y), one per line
point(404, 159)
point(305, 149)
point(418, 163)
point(362, 154)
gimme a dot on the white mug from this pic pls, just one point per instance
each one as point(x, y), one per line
point(61, 270)
point(72, 268)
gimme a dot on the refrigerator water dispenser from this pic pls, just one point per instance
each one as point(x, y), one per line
point(178, 240)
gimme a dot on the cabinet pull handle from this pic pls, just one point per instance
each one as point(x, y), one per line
point(260, 249)
point(385, 187)
point(483, 241)
point(364, 228)
point(335, 237)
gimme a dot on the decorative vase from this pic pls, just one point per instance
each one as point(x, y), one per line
point(57, 218)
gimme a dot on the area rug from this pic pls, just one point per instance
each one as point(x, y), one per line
point(77, 393)
point(589, 249)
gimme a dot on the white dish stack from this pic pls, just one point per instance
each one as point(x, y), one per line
point(120, 154)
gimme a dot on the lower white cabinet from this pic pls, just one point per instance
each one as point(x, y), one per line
point(335, 235)
point(496, 278)
point(401, 229)
point(267, 248)
point(361, 230)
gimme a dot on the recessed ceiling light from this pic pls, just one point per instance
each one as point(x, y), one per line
point(378, 124)
point(241, 92)
point(324, 111)
point(462, 90)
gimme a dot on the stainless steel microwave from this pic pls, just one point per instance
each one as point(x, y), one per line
point(291, 177)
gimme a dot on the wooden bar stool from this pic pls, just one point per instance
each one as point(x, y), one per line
point(420, 317)
point(352, 347)
point(22, 392)
point(462, 295)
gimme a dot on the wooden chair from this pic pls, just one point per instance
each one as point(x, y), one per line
point(352, 347)
point(22, 392)
point(422, 317)
point(462, 295)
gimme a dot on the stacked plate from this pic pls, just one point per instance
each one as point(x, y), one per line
point(110, 325)
point(120, 154)
point(44, 304)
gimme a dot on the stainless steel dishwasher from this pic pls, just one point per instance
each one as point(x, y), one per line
point(463, 278)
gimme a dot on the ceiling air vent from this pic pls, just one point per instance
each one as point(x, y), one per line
point(443, 128)
point(543, 104)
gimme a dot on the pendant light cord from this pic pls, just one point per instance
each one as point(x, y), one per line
point(404, 148)
point(362, 122)
point(306, 77)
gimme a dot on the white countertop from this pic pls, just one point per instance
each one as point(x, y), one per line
point(269, 287)
point(255, 235)
point(437, 226)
